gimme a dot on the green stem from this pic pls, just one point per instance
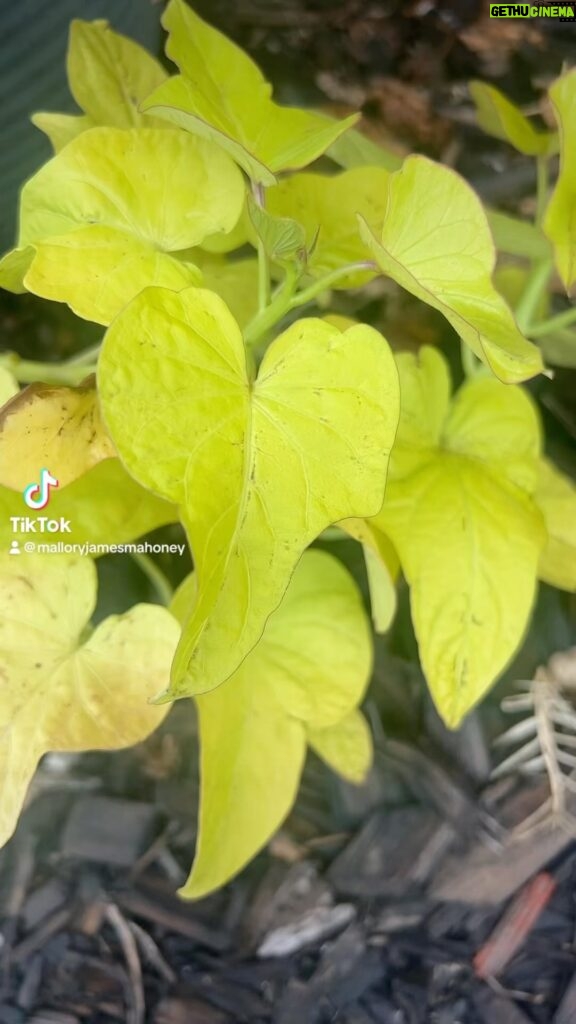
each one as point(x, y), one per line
point(27, 372)
point(554, 323)
point(534, 289)
point(157, 578)
point(470, 364)
point(87, 355)
point(263, 261)
point(326, 282)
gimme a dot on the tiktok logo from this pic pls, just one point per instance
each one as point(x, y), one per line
point(38, 495)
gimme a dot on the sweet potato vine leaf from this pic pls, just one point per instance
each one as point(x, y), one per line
point(223, 96)
point(460, 513)
point(560, 218)
point(109, 75)
point(104, 218)
point(499, 117)
point(57, 427)
point(301, 684)
point(436, 243)
point(59, 692)
point(8, 386)
point(259, 468)
point(556, 497)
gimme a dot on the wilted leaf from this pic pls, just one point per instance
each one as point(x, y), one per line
point(499, 117)
point(459, 511)
point(58, 428)
point(59, 693)
point(222, 95)
point(556, 498)
point(260, 469)
point(560, 218)
point(308, 672)
point(444, 254)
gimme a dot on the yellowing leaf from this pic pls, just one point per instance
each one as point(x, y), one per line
point(221, 95)
point(556, 498)
point(560, 218)
point(346, 747)
point(109, 75)
point(58, 428)
point(104, 506)
point(59, 693)
point(381, 569)
point(436, 243)
point(328, 207)
point(97, 270)
point(503, 119)
point(312, 665)
point(459, 511)
point(8, 386)
point(105, 213)
point(62, 128)
point(259, 469)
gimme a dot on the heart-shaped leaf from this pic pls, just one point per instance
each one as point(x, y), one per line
point(304, 679)
point(259, 468)
point(556, 498)
point(222, 95)
point(59, 692)
point(459, 512)
point(57, 427)
point(560, 218)
point(436, 243)
point(101, 220)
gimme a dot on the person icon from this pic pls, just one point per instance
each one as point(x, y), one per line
point(14, 548)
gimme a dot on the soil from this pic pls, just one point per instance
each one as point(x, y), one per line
point(404, 901)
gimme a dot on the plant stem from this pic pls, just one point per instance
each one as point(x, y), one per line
point(534, 289)
point(87, 355)
point(554, 323)
point(27, 372)
point(326, 282)
point(263, 261)
point(157, 578)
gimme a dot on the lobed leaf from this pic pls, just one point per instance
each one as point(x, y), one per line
point(59, 693)
point(57, 427)
point(221, 95)
point(259, 468)
point(436, 243)
point(560, 217)
point(556, 498)
point(460, 513)
point(499, 117)
point(303, 681)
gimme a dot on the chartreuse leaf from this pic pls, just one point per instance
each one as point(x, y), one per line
point(104, 506)
point(235, 281)
point(460, 513)
point(382, 568)
point(328, 207)
point(8, 385)
point(357, 150)
point(62, 693)
point(560, 218)
point(57, 427)
point(104, 216)
point(221, 95)
point(346, 747)
point(109, 75)
point(556, 498)
point(517, 237)
point(302, 681)
point(259, 468)
point(283, 239)
point(499, 117)
point(436, 243)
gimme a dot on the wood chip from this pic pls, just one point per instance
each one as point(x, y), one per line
point(107, 831)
